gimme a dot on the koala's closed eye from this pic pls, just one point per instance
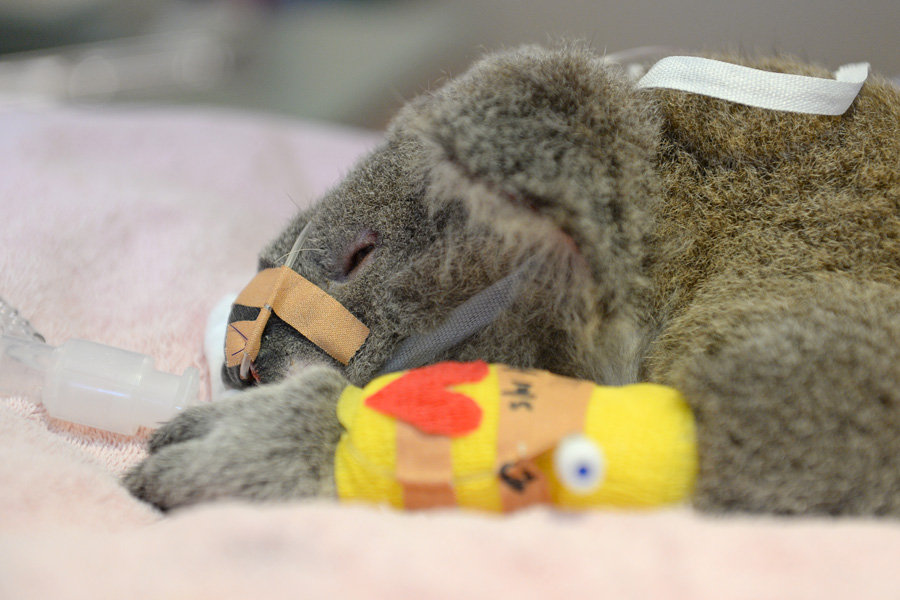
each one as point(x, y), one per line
point(358, 253)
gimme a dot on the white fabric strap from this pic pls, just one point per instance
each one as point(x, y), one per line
point(777, 91)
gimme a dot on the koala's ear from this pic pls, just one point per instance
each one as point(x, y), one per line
point(535, 138)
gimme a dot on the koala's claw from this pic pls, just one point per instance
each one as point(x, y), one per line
point(271, 443)
point(155, 481)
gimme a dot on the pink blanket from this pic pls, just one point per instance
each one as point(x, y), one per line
point(125, 227)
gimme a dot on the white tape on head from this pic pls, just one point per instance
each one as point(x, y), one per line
point(763, 89)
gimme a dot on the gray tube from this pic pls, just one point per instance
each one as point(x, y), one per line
point(464, 321)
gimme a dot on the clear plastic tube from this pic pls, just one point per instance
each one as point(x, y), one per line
point(13, 324)
point(89, 383)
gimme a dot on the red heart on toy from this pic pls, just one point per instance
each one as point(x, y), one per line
point(421, 398)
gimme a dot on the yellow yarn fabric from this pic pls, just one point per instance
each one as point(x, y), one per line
point(644, 433)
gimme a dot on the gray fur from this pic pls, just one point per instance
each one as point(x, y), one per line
point(234, 447)
point(747, 257)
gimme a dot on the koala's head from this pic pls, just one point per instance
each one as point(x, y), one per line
point(534, 157)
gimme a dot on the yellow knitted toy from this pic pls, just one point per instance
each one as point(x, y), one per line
point(496, 438)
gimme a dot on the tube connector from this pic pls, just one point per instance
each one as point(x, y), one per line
point(97, 385)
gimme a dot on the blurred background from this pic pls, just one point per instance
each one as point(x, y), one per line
point(355, 62)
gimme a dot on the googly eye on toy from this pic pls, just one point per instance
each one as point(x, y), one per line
point(579, 464)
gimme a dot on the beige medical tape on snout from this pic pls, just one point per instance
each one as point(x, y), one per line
point(763, 89)
point(302, 305)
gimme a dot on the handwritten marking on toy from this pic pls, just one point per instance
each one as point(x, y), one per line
point(516, 476)
point(522, 392)
point(421, 398)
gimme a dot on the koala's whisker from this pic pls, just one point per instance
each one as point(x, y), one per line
point(296, 250)
point(291, 198)
point(287, 254)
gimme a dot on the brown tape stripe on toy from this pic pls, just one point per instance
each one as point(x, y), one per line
point(536, 410)
point(302, 305)
point(424, 468)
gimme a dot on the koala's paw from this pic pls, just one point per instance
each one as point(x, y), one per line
point(275, 442)
point(796, 392)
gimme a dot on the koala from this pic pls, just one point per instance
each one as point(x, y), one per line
point(749, 258)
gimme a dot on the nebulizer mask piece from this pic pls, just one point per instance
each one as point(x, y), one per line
point(89, 383)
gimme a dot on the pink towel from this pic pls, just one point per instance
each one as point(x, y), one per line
point(125, 227)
